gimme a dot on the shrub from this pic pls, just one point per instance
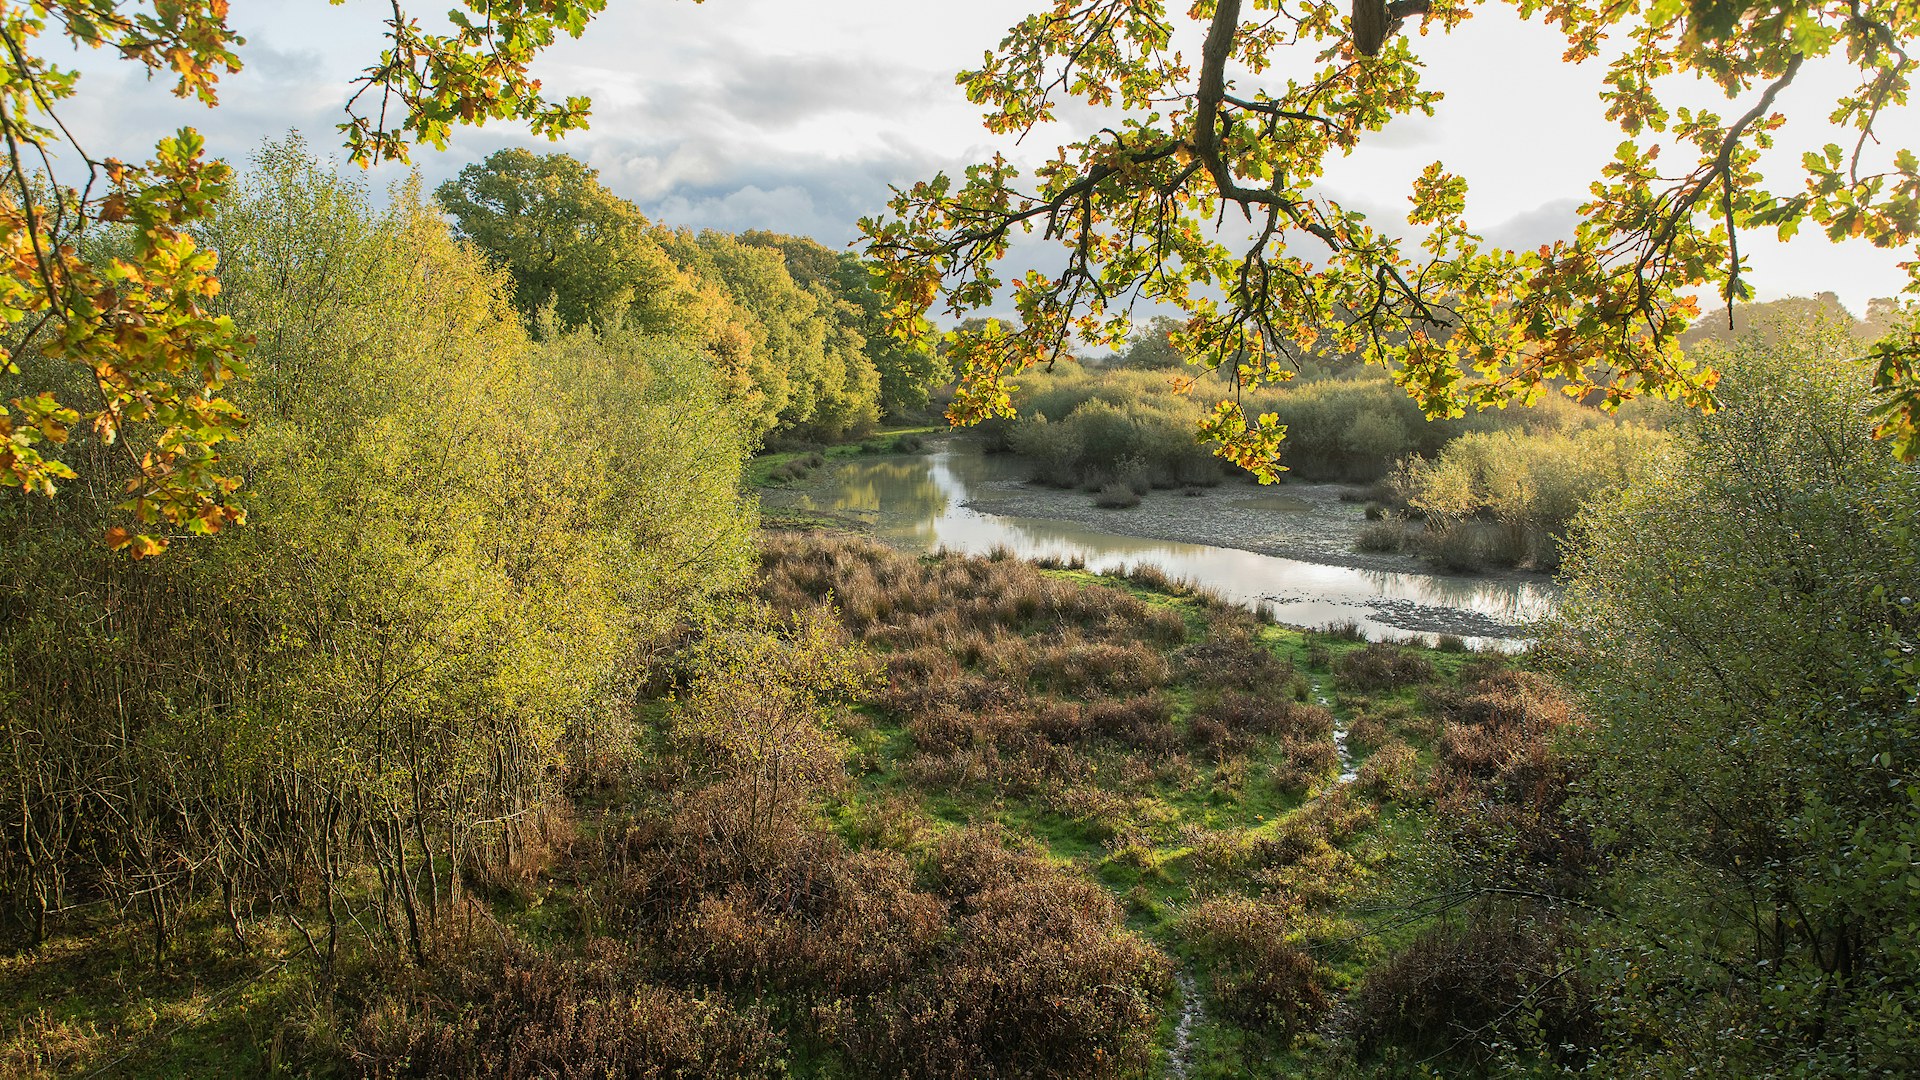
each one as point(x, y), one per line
point(1743, 624)
point(1529, 484)
point(1039, 977)
point(1381, 666)
point(1364, 732)
point(1261, 976)
point(1210, 734)
point(1117, 497)
point(1234, 658)
point(1501, 783)
point(1315, 757)
point(1144, 722)
point(1165, 627)
point(514, 1013)
point(1390, 773)
point(1387, 536)
point(1248, 715)
point(1076, 666)
point(1461, 989)
point(1457, 548)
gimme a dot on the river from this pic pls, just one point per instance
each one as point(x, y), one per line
point(956, 499)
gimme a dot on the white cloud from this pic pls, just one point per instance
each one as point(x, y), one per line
point(1541, 225)
point(769, 114)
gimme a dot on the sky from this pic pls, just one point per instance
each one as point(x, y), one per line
point(738, 114)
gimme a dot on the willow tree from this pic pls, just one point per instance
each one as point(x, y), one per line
point(1186, 147)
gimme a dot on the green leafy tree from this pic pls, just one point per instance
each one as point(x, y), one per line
point(565, 238)
point(807, 357)
point(1780, 321)
point(1184, 145)
point(1152, 346)
point(136, 319)
point(1744, 623)
point(908, 369)
point(788, 348)
point(853, 386)
point(527, 521)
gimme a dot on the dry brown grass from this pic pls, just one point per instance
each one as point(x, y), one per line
point(513, 1012)
point(44, 1046)
point(511, 859)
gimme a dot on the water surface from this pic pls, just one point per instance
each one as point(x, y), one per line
point(919, 504)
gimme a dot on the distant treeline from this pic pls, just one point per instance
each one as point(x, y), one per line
point(791, 328)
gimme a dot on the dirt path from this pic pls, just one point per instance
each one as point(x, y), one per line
point(1180, 1055)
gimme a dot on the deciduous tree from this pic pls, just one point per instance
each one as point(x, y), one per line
point(135, 319)
point(1184, 146)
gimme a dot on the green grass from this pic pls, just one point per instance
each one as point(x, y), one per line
point(93, 998)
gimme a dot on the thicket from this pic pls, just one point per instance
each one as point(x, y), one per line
point(460, 542)
point(1703, 863)
point(1758, 809)
point(1086, 428)
point(1510, 497)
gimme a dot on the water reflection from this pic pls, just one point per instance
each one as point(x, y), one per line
point(918, 504)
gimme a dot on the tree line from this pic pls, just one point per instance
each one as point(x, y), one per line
point(792, 328)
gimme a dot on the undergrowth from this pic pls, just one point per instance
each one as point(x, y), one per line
point(926, 816)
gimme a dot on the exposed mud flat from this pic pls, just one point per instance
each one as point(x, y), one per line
point(1315, 523)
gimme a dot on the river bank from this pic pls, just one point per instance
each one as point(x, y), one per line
point(1307, 522)
point(1287, 547)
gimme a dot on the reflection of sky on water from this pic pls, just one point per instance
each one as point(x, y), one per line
point(916, 503)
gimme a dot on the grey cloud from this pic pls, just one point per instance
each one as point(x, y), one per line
point(1541, 225)
point(730, 186)
point(811, 196)
point(776, 91)
point(299, 67)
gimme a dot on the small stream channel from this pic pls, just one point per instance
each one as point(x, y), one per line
point(949, 499)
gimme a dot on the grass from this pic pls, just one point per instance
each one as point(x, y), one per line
point(1076, 737)
point(93, 1000)
point(1150, 858)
